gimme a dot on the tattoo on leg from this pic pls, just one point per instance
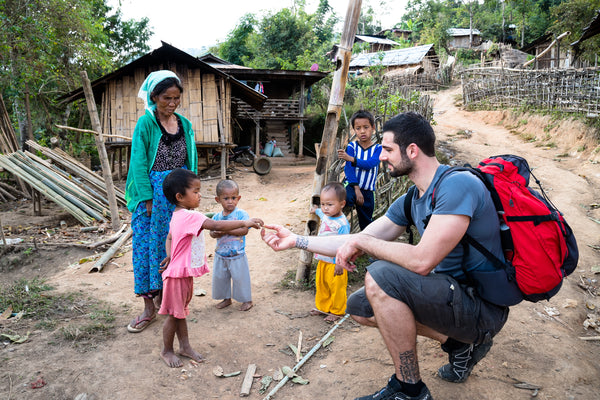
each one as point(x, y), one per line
point(409, 367)
point(302, 242)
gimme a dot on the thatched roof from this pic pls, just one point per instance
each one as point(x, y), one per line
point(251, 74)
point(169, 54)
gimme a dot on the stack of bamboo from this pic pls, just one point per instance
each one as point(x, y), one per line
point(8, 140)
point(75, 188)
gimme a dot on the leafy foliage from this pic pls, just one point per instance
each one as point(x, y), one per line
point(430, 19)
point(574, 16)
point(286, 39)
point(45, 44)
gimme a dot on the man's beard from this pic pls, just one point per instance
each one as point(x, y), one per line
point(403, 169)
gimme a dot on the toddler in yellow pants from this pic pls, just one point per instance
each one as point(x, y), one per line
point(331, 289)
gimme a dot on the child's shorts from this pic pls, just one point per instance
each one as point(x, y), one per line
point(177, 294)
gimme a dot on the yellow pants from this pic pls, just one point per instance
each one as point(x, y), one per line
point(331, 289)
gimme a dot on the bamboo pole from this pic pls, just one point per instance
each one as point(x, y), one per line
point(327, 148)
point(42, 170)
point(106, 172)
point(76, 168)
point(547, 49)
point(16, 169)
point(306, 357)
point(2, 233)
point(98, 265)
point(70, 128)
point(65, 191)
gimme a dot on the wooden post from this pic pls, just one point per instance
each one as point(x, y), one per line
point(106, 171)
point(301, 124)
point(221, 126)
point(257, 148)
point(2, 233)
point(327, 148)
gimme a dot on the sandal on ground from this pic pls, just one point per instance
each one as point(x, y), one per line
point(140, 324)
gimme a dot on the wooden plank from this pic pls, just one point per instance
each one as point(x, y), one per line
point(226, 109)
point(140, 76)
point(248, 379)
point(209, 109)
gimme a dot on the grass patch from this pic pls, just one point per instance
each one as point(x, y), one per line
point(528, 137)
point(73, 317)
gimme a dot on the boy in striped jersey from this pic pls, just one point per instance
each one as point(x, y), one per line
point(362, 165)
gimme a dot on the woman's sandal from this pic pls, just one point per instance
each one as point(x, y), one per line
point(144, 322)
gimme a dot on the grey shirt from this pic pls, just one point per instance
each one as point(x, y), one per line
point(460, 193)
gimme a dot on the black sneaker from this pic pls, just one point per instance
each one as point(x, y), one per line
point(462, 361)
point(393, 391)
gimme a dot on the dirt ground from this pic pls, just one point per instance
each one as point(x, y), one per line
point(533, 348)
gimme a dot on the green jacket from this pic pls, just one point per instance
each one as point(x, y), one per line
point(144, 146)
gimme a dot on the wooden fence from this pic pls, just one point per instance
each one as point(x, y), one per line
point(387, 189)
point(566, 90)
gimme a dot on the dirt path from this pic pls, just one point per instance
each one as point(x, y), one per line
point(532, 348)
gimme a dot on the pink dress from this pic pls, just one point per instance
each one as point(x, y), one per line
point(188, 260)
point(188, 256)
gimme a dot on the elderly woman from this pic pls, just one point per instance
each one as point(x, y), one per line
point(162, 141)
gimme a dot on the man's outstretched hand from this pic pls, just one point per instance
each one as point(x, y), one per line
point(277, 237)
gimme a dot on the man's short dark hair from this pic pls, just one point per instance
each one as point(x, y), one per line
point(411, 127)
point(362, 114)
point(178, 181)
point(340, 190)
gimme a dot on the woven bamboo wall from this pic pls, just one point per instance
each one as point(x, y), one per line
point(206, 102)
point(566, 90)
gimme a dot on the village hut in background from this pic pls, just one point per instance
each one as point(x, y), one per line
point(463, 38)
point(557, 57)
point(376, 43)
point(282, 116)
point(397, 33)
point(206, 101)
point(415, 67)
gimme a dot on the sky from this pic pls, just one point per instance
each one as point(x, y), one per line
point(188, 24)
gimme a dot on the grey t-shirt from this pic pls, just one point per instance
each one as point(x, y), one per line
point(460, 193)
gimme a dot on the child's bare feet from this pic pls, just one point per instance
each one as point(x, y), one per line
point(314, 311)
point(171, 359)
point(331, 318)
point(191, 353)
point(246, 306)
point(223, 304)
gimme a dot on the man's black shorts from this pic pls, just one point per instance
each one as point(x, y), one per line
point(436, 300)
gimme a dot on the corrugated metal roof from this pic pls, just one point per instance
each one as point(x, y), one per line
point(374, 39)
point(462, 32)
point(408, 56)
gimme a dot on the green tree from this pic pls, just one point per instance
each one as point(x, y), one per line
point(235, 48)
point(43, 46)
point(574, 16)
point(287, 39)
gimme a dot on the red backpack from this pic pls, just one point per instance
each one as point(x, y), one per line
point(539, 246)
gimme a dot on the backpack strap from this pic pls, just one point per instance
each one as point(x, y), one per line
point(410, 193)
point(467, 240)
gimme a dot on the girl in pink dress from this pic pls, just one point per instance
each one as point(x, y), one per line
point(185, 259)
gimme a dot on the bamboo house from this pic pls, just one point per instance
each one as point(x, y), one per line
point(206, 100)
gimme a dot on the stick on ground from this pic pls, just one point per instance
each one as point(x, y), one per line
point(306, 357)
point(248, 379)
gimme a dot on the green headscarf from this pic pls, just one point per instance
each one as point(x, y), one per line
point(150, 83)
